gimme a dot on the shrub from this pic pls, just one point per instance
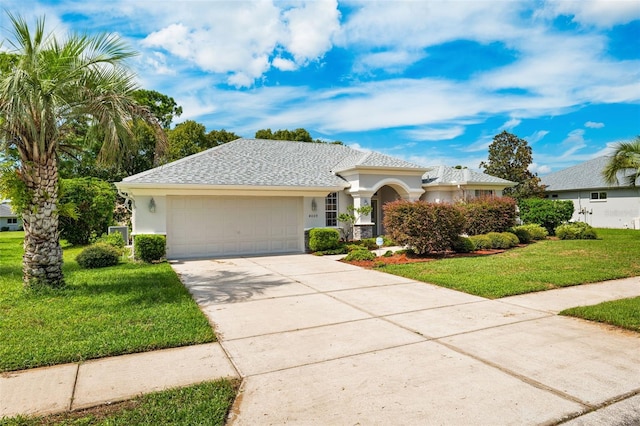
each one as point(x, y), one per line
point(481, 242)
point(93, 201)
point(576, 231)
point(149, 247)
point(98, 255)
point(426, 227)
point(548, 213)
point(523, 235)
point(513, 238)
point(536, 231)
point(489, 214)
point(4, 229)
point(115, 239)
point(354, 247)
point(499, 240)
point(321, 239)
point(369, 243)
point(360, 255)
point(463, 245)
point(388, 253)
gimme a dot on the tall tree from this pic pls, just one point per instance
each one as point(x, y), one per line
point(163, 107)
point(510, 158)
point(190, 137)
point(624, 161)
point(53, 83)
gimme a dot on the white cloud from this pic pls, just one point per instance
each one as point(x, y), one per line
point(574, 142)
point(600, 13)
point(593, 125)
point(511, 124)
point(537, 136)
point(539, 168)
point(435, 134)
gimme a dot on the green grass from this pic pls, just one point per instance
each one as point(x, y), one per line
point(540, 266)
point(122, 309)
point(623, 313)
point(203, 404)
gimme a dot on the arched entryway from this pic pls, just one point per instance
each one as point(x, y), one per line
point(387, 191)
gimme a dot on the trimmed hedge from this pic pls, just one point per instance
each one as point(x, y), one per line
point(489, 214)
point(98, 255)
point(463, 245)
point(576, 231)
point(149, 247)
point(536, 231)
point(426, 227)
point(481, 242)
point(321, 239)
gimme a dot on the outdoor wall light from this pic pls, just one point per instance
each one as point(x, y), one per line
point(314, 206)
point(152, 205)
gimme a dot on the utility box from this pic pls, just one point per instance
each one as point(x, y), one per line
point(123, 230)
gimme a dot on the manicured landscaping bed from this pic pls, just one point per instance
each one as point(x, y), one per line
point(203, 404)
point(539, 266)
point(131, 307)
point(623, 313)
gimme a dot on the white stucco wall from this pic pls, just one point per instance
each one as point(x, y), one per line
point(147, 222)
point(621, 209)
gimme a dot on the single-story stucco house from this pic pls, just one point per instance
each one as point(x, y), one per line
point(253, 196)
point(9, 221)
point(596, 202)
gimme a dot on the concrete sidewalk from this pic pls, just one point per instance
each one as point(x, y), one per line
point(323, 342)
point(75, 386)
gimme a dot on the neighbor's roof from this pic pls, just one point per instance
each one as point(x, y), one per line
point(261, 162)
point(5, 210)
point(449, 175)
point(587, 175)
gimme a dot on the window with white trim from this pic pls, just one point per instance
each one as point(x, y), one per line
point(331, 209)
point(12, 221)
point(598, 196)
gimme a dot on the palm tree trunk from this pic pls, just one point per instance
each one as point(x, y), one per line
point(42, 260)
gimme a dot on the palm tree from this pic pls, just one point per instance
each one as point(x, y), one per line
point(52, 83)
point(625, 160)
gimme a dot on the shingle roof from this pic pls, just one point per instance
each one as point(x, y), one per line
point(443, 174)
point(260, 162)
point(5, 210)
point(587, 175)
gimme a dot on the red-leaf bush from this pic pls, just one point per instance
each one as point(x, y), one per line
point(426, 227)
point(489, 214)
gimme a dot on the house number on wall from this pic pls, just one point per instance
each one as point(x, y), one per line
point(313, 215)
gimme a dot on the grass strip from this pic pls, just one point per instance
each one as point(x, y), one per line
point(623, 313)
point(540, 266)
point(128, 308)
point(203, 404)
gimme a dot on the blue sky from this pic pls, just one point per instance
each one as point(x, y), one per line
point(428, 81)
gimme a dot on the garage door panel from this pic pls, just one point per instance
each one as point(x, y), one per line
point(227, 226)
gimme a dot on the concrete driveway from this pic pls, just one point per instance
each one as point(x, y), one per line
point(322, 342)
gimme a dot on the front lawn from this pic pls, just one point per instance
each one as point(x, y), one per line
point(623, 313)
point(102, 312)
point(540, 266)
point(203, 404)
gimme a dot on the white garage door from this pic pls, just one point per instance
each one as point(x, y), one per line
point(229, 226)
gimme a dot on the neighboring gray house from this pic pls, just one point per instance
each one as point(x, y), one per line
point(596, 202)
point(254, 196)
point(9, 221)
point(448, 184)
